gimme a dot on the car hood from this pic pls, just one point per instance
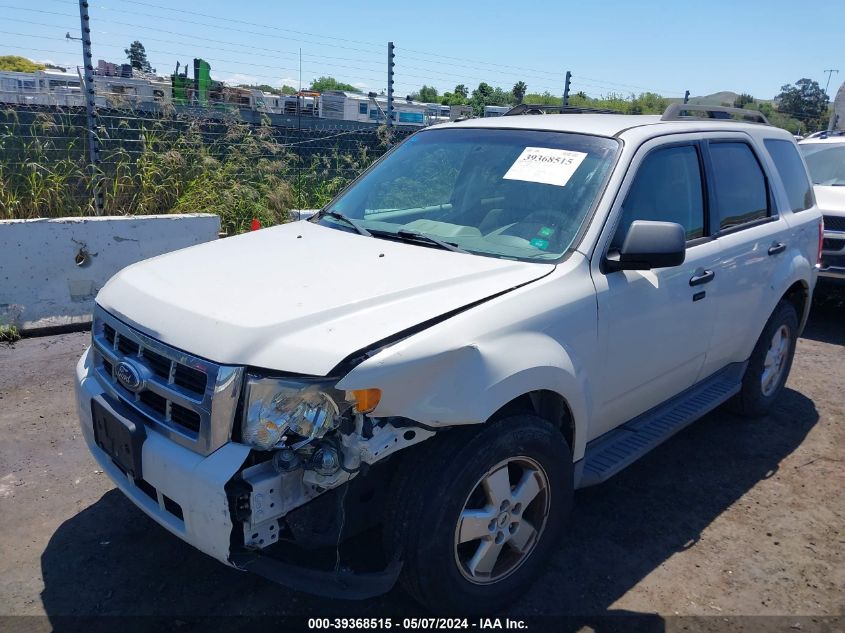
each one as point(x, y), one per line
point(300, 297)
point(830, 200)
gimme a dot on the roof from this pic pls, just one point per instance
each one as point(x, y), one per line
point(599, 124)
point(607, 124)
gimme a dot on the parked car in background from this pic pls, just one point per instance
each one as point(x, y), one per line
point(497, 312)
point(825, 156)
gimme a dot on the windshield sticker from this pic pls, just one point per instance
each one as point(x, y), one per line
point(545, 166)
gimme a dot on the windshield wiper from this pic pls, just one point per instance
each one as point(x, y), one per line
point(337, 215)
point(423, 237)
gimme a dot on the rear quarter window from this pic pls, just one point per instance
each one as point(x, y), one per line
point(792, 173)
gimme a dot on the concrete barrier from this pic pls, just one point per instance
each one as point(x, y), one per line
point(51, 269)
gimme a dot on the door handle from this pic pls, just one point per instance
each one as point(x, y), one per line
point(702, 278)
point(777, 247)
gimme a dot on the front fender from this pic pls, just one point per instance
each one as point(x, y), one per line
point(469, 383)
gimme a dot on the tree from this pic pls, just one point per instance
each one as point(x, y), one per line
point(324, 84)
point(427, 94)
point(137, 56)
point(743, 100)
point(453, 98)
point(647, 103)
point(804, 100)
point(462, 90)
point(287, 90)
point(18, 64)
point(518, 91)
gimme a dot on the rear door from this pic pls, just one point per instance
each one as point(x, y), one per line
point(753, 237)
point(655, 325)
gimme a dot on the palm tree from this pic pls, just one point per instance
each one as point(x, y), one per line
point(518, 91)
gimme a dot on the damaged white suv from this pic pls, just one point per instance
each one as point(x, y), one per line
point(496, 313)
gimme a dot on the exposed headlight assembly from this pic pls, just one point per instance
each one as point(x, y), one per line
point(309, 408)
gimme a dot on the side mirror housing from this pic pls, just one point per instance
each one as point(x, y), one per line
point(648, 245)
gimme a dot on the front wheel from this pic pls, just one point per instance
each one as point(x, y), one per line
point(769, 365)
point(476, 516)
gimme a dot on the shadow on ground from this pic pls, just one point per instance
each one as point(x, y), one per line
point(111, 559)
point(827, 316)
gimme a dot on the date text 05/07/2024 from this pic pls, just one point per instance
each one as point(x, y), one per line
point(409, 624)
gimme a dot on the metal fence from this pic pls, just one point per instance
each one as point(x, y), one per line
point(178, 162)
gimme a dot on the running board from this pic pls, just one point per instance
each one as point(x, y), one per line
point(607, 455)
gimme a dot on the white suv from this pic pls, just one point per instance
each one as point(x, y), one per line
point(825, 156)
point(496, 313)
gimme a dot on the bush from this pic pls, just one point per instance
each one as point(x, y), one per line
point(235, 170)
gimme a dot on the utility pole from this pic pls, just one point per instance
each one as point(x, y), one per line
point(390, 64)
point(686, 96)
point(832, 121)
point(93, 140)
point(566, 88)
point(829, 72)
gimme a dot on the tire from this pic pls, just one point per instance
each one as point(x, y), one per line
point(444, 478)
point(758, 394)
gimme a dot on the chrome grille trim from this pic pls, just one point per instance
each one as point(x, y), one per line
point(215, 406)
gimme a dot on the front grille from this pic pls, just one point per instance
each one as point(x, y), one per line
point(834, 223)
point(833, 244)
point(833, 261)
point(190, 399)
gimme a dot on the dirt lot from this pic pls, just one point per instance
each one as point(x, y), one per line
point(729, 518)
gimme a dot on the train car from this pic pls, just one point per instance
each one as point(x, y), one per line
point(42, 87)
point(352, 106)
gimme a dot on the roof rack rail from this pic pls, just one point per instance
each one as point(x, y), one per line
point(538, 108)
point(678, 112)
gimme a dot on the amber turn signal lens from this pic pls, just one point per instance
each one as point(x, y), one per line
point(366, 399)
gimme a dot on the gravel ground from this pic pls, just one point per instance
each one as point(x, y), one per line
point(729, 519)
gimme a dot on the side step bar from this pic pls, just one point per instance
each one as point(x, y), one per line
point(607, 455)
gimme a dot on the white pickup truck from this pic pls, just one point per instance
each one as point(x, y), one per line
point(496, 313)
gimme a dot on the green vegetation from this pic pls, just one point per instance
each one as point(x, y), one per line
point(233, 169)
point(805, 100)
point(9, 334)
point(324, 84)
point(518, 91)
point(137, 56)
point(18, 64)
point(426, 94)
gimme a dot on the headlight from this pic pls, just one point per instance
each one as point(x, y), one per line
point(309, 408)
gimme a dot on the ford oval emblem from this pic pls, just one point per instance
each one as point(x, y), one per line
point(129, 376)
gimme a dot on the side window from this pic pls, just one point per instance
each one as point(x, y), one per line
point(792, 173)
point(362, 107)
point(741, 194)
point(667, 188)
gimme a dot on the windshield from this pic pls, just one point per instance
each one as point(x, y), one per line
point(507, 193)
point(826, 162)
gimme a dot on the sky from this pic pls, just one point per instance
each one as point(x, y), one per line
point(609, 46)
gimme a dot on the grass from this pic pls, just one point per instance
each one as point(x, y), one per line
point(235, 170)
point(9, 334)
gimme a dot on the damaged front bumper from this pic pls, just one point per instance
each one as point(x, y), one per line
point(186, 493)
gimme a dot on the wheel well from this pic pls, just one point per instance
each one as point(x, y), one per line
point(546, 404)
point(797, 294)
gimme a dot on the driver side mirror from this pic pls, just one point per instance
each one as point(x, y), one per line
point(649, 244)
